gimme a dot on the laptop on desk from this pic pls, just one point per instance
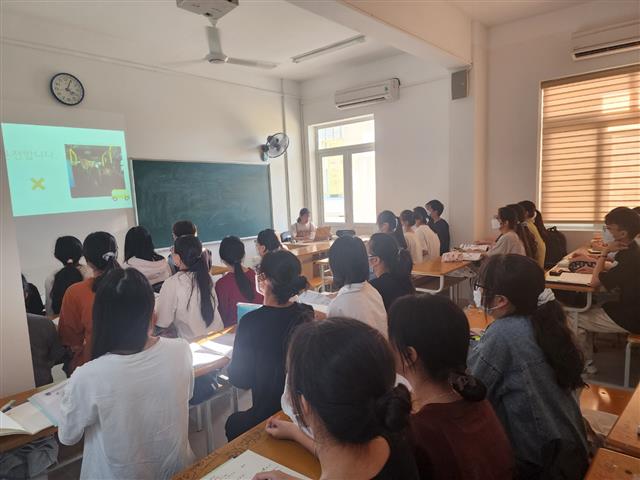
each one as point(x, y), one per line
point(322, 233)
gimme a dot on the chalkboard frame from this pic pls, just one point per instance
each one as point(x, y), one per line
point(209, 242)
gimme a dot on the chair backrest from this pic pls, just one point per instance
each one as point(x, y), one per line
point(346, 233)
point(556, 244)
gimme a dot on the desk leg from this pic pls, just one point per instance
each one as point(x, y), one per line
point(322, 288)
point(234, 399)
point(208, 419)
point(574, 311)
point(428, 290)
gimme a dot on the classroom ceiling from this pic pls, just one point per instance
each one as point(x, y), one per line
point(158, 33)
point(497, 12)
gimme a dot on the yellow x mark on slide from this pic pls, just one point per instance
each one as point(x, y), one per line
point(38, 183)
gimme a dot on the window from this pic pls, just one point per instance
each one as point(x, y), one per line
point(346, 163)
point(590, 145)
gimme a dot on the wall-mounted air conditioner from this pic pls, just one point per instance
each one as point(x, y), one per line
point(386, 91)
point(597, 42)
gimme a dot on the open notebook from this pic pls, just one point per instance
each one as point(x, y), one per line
point(245, 466)
point(570, 278)
point(25, 419)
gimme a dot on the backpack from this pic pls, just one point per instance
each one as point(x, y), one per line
point(556, 247)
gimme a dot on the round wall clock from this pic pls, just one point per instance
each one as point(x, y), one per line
point(67, 89)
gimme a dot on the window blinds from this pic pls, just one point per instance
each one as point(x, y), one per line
point(590, 155)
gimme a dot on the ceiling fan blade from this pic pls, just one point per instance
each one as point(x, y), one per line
point(252, 63)
point(183, 63)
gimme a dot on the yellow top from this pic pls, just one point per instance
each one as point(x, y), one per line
point(542, 248)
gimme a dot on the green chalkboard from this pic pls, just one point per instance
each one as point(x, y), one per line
point(220, 198)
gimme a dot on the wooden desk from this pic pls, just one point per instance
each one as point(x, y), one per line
point(478, 318)
point(9, 442)
point(609, 465)
point(604, 399)
point(436, 268)
point(285, 452)
point(218, 270)
point(624, 434)
point(218, 364)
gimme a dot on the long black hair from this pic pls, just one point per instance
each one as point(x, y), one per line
point(528, 239)
point(388, 217)
point(232, 253)
point(420, 213)
point(101, 251)
point(396, 260)
point(348, 261)
point(345, 371)
point(303, 211)
point(196, 259)
point(284, 272)
point(533, 212)
point(521, 280)
point(138, 243)
point(122, 313)
point(269, 240)
point(438, 330)
point(68, 251)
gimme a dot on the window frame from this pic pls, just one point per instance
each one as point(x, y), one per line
point(577, 225)
point(346, 152)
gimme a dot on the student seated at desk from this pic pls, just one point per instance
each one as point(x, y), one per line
point(392, 267)
point(68, 251)
point(531, 367)
point(267, 241)
point(140, 254)
point(76, 317)
point(262, 338)
point(180, 229)
point(236, 286)
point(622, 316)
point(46, 349)
point(536, 227)
point(341, 379)
point(428, 236)
point(528, 239)
point(438, 224)
point(452, 421)
point(130, 402)
point(303, 229)
point(511, 235)
point(188, 299)
point(390, 224)
point(32, 300)
point(414, 245)
point(356, 298)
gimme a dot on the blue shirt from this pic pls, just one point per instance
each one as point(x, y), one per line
point(534, 410)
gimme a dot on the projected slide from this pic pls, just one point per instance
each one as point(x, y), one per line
point(63, 169)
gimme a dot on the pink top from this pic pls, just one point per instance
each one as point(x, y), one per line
point(229, 296)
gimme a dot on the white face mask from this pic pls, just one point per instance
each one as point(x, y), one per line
point(607, 237)
point(495, 224)
point(477, 297)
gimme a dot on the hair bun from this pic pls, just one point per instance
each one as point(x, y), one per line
point(393, 408)
point(297, 284)
point(468, 386)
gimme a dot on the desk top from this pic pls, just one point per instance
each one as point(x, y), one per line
point(437, 267)
point(218, 364)
point(477, 318)
point(218, 270)
point(624, 434)
point(609, 465)
point(567, 287)
point(285, 452)
point(605, 399)
point(9, 442)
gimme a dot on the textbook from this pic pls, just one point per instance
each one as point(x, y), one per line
point(222, 345)
point(570, 278)
point(49, 400)
point(25, 419)
point(202, 356)
point(245, 466)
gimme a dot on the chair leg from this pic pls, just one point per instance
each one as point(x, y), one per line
point(199, 417)
point(208, 419)
point(627, 364)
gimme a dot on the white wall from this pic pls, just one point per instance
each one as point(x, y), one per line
point(164, 116)
point(521, 55)
point(412, 134)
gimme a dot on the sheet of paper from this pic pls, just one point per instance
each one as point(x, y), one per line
point(314, 298)
point(48, 401)
point(245, 466)
point(8, 426)
point(222, 345)
point(29, 417)
point(203, 358)
point(472, 247)
point(571, 278)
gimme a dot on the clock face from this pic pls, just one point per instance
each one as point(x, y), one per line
point(67, 89)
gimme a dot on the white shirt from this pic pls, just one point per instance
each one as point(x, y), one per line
point(179, 303)
point(362, 302)
point(429, 241)
point(86, 272)
point(414, 247)
point(133, 411)
point(306, 229)
point(155, 271)
point(508, 243)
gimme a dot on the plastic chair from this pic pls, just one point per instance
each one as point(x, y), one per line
point(632, 340)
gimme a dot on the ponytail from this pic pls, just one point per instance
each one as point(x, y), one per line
point(63, 279)
point(393, 409)
point(388, 217)
point(396, 260)
point(100, 249)
point(522, 230)
point(192, 255)
point(232, 252)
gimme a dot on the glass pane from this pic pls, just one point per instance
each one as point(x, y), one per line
point(348, 134)
point(364, 187)
point(333, 188)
